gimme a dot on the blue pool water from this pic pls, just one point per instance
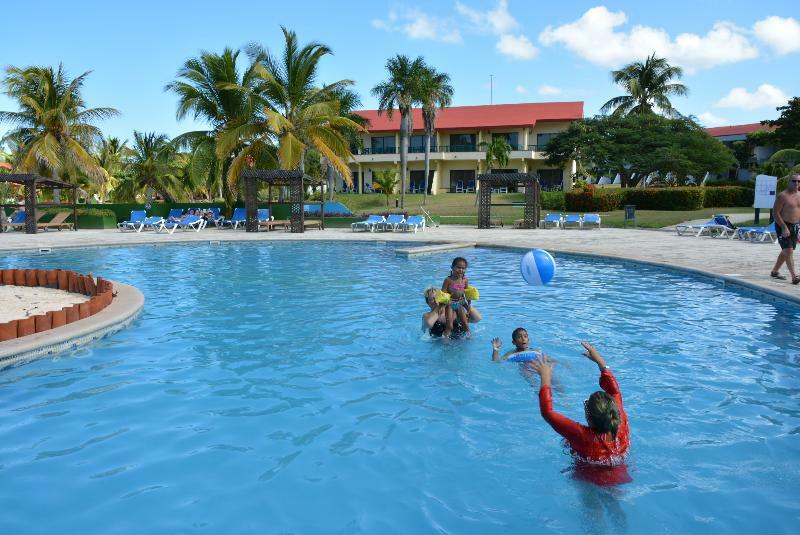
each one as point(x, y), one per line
point(287, 388)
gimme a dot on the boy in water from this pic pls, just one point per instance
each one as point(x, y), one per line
point(520, 340)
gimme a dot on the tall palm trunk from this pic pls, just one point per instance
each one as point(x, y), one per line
point(148, 196)
point(427, 166)
point(330, 182)
point(404, 123)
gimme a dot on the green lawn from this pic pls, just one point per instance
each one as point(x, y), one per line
point(460, 209)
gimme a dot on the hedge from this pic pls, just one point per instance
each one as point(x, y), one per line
point(591, 199)
point(728, 196)
point(552, 200)
point(665, 198)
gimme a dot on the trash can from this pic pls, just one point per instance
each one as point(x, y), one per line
point(630, 215)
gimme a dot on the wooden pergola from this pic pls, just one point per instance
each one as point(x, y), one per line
point(32, 184)
point(530, 181)
point(296, 181)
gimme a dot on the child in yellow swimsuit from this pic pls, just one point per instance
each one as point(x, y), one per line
point(455, 285)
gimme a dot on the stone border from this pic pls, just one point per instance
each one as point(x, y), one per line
point(124, 308)
point(100, 292)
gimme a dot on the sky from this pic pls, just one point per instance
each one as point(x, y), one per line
point(741, 59)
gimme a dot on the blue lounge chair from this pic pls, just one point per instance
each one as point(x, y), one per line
point(591, 219)
point(263, 215)
point(151, 223)
point(392, 222)
point(553, 219)
point(719, 226)
point(216, 217)
point(762, 233)
point(369, 224)
point(192, 222)
point(572, 219)
point(417, 222)
point(135, 223)
point(238, 218)
point(16, 221)
point(175, 214)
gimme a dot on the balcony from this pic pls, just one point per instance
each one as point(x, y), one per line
point(442, 152)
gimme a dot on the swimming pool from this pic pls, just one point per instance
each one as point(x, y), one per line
point(286, 387)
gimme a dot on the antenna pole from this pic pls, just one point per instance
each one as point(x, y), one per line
point(491, 88)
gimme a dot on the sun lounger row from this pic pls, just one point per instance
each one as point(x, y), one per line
point(59, 221)
point(393, 222)
point(576, 220)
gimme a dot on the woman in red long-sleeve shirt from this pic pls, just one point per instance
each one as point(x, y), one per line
point(606, 439)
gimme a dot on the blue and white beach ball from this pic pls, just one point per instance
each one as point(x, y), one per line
point(537, 267)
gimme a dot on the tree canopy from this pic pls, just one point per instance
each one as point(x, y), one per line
point(649, 85)
point(787, 135)
point(640, 144)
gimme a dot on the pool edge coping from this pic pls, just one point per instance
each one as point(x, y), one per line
point(122, 311)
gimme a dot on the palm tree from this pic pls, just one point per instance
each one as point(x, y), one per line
point(386, 180)
point(152, 168)
point(210, 88)
point(497, 152)
point(401, 91)
point(110, 156)
point(435, 93)
point(649, 86)
point(296, 115)
point(54, 126)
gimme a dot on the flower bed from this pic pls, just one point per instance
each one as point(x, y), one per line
point(100, 292)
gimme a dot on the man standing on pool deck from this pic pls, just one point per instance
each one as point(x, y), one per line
point(787, 226)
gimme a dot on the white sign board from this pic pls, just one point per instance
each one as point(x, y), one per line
point(765, 191)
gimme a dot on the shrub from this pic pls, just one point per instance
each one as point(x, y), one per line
point(728, 196)
point(665, 198)
point(590, 199)
point(552, 200)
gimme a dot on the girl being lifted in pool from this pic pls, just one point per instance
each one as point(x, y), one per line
point(455, 285)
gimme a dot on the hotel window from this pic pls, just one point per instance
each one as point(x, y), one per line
point(512, 138)
point(542, 139)
point(462, 142)
point(383, 145)
point(417, 144)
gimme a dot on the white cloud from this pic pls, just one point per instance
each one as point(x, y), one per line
point(783, 35)
point(516, 47)
point(520, 89)
point(766, 96)
point(419, 25)
point(595, 37)
point(709, 119)
point(549, 90)
point(497, 20)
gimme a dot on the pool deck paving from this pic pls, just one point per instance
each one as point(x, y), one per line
point(742, 262)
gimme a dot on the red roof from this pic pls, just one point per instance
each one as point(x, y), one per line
point(738, 129)
point(469, 117)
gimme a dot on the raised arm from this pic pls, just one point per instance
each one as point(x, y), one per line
point(567, 428)
point(607, 380)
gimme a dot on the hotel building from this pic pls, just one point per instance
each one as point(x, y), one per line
point(456, 156)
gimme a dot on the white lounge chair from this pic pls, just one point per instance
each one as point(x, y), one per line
point(192, 222)
point(369, 224)
point(761, 233)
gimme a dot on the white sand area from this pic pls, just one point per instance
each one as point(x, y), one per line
point(18, 302)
